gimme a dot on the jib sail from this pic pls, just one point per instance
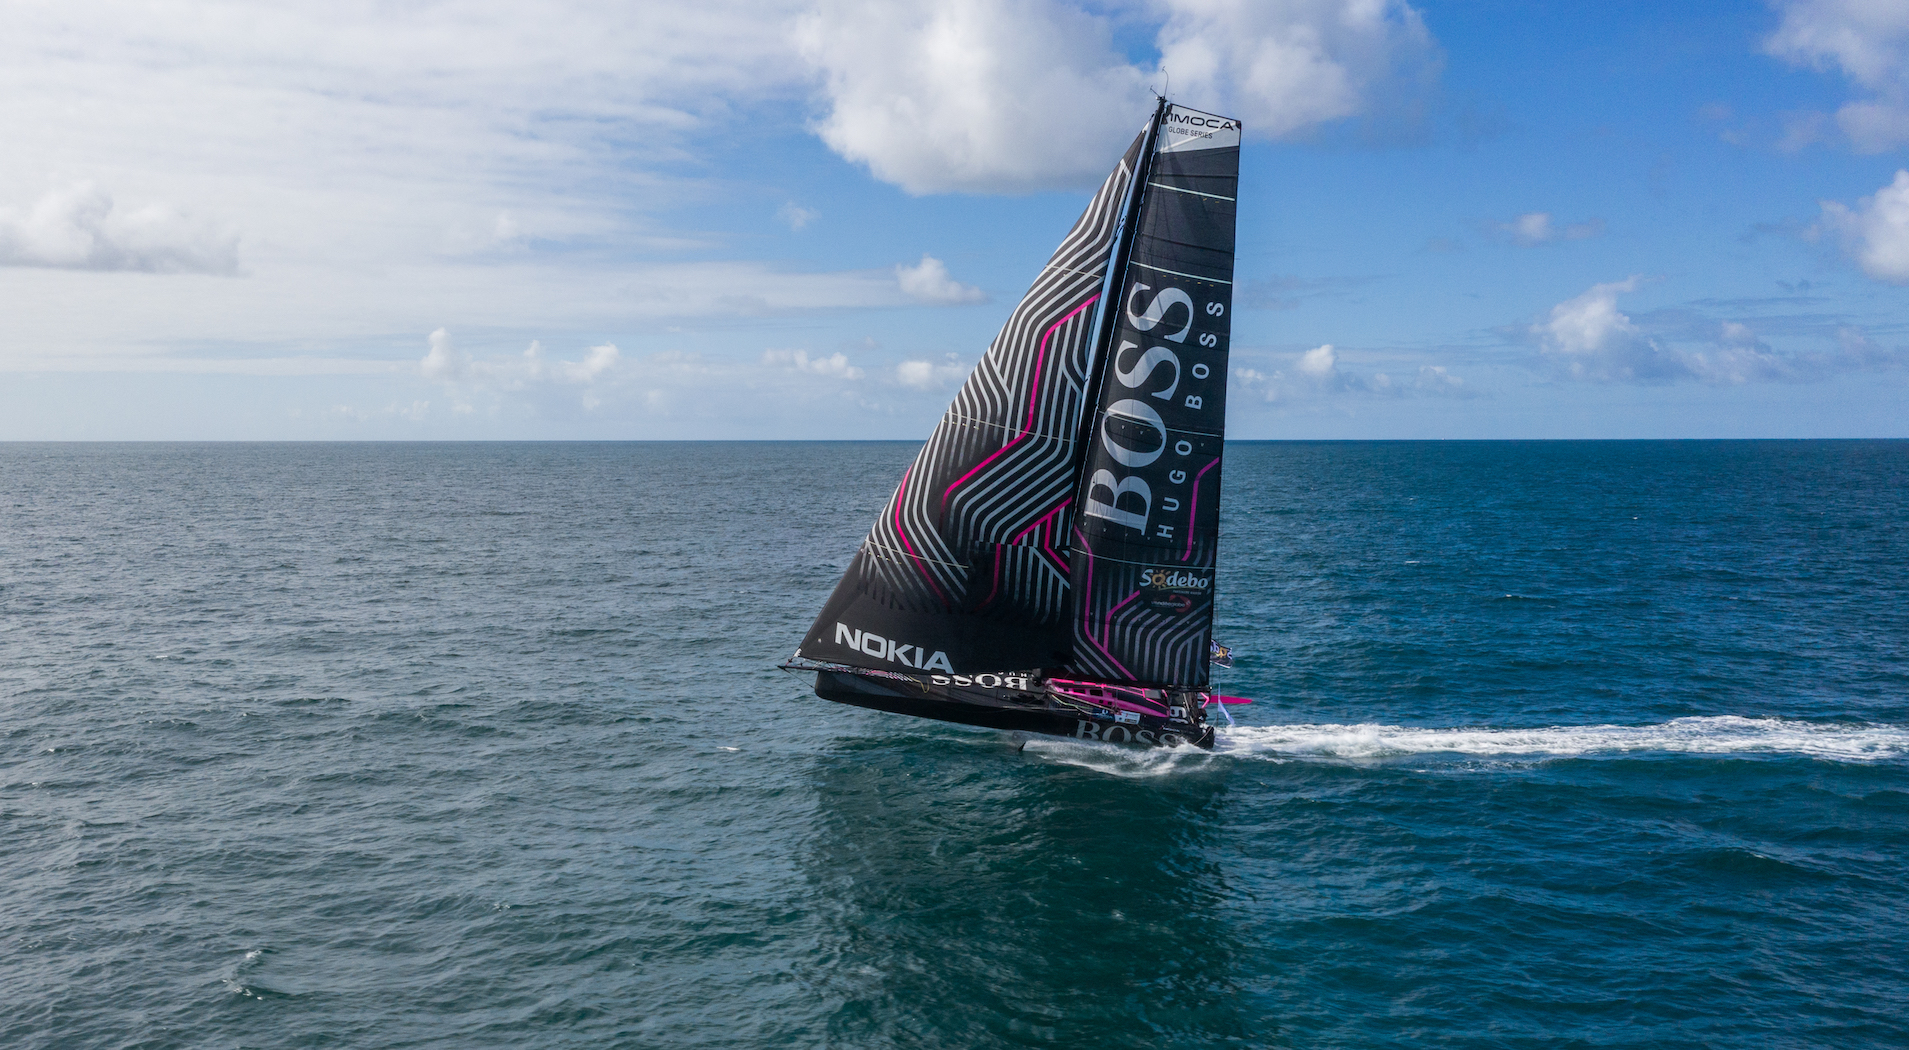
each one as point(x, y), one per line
point(967, 568)
point(1146, 531)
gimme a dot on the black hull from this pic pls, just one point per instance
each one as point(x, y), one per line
point(1004, 709)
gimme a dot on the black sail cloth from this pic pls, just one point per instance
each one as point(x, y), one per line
point(967, 568)
point(1146, 534)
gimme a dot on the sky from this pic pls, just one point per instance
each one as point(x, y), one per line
point(761, 219)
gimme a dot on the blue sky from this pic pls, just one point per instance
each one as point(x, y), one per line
point(807, 219)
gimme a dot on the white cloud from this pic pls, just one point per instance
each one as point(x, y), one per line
point(834, 366)
point(1319, 363)
point(1876, 232)
point(444, 361)
point(81, 228)
point(932, 375)
point(1282, 66)
point(1869, 41)
point(1592, 339)
point(795, 216)
point(996, 95)
point(1437, 379)
point(928, 281)
point(595, 364)
point(1318, 374)
point(1534, 228)
point(979, 95)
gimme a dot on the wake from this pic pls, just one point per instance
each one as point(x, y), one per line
point(1709, 735)
point(1720, 735)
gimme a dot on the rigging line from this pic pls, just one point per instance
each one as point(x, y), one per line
point(978, 421)
point(1176, 273)
point(896, 554)
point(1144, 564)
point(1080, 273)
point(1196, 193)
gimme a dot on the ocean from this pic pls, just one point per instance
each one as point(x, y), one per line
point(1599, 744)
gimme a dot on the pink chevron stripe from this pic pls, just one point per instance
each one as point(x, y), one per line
point(900, 494)
point(1033, 397)
point(1193, 507)
point(1087, 615)
point(1108, 632)
point(996, 589)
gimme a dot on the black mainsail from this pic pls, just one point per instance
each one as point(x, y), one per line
point(1047, 562)
point(1149, 498)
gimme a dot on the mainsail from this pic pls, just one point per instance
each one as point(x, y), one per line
point(966, 569)
point(1147, 533)
point(1065, 513)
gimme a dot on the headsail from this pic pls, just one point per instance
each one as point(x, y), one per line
point(1145, 537)
point(966, 569)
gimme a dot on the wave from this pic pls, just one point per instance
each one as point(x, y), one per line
point(1708, 735)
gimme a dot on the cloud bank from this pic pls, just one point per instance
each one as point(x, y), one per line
point(1317, 374)
point(1588, 338)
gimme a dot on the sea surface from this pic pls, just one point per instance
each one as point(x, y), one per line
point(1599, 744)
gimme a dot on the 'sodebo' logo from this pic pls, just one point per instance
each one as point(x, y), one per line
point(1176, 580)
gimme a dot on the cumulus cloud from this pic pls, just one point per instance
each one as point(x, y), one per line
point(834, 366)
point(1869, 41)
point(443, 361)
point(1876, 232)
point(81, 228)
point(1534, 228)
point(939, 95)
point(1282, 66)
point(928, 281)
point(1592, 339)
point(932, 375)
point(1319, 363)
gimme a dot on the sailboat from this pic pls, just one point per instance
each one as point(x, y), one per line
point(1046, 565)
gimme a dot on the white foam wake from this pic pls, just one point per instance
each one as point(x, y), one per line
point(1713, 735)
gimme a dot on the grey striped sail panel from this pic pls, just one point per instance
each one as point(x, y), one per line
point(967, 568)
